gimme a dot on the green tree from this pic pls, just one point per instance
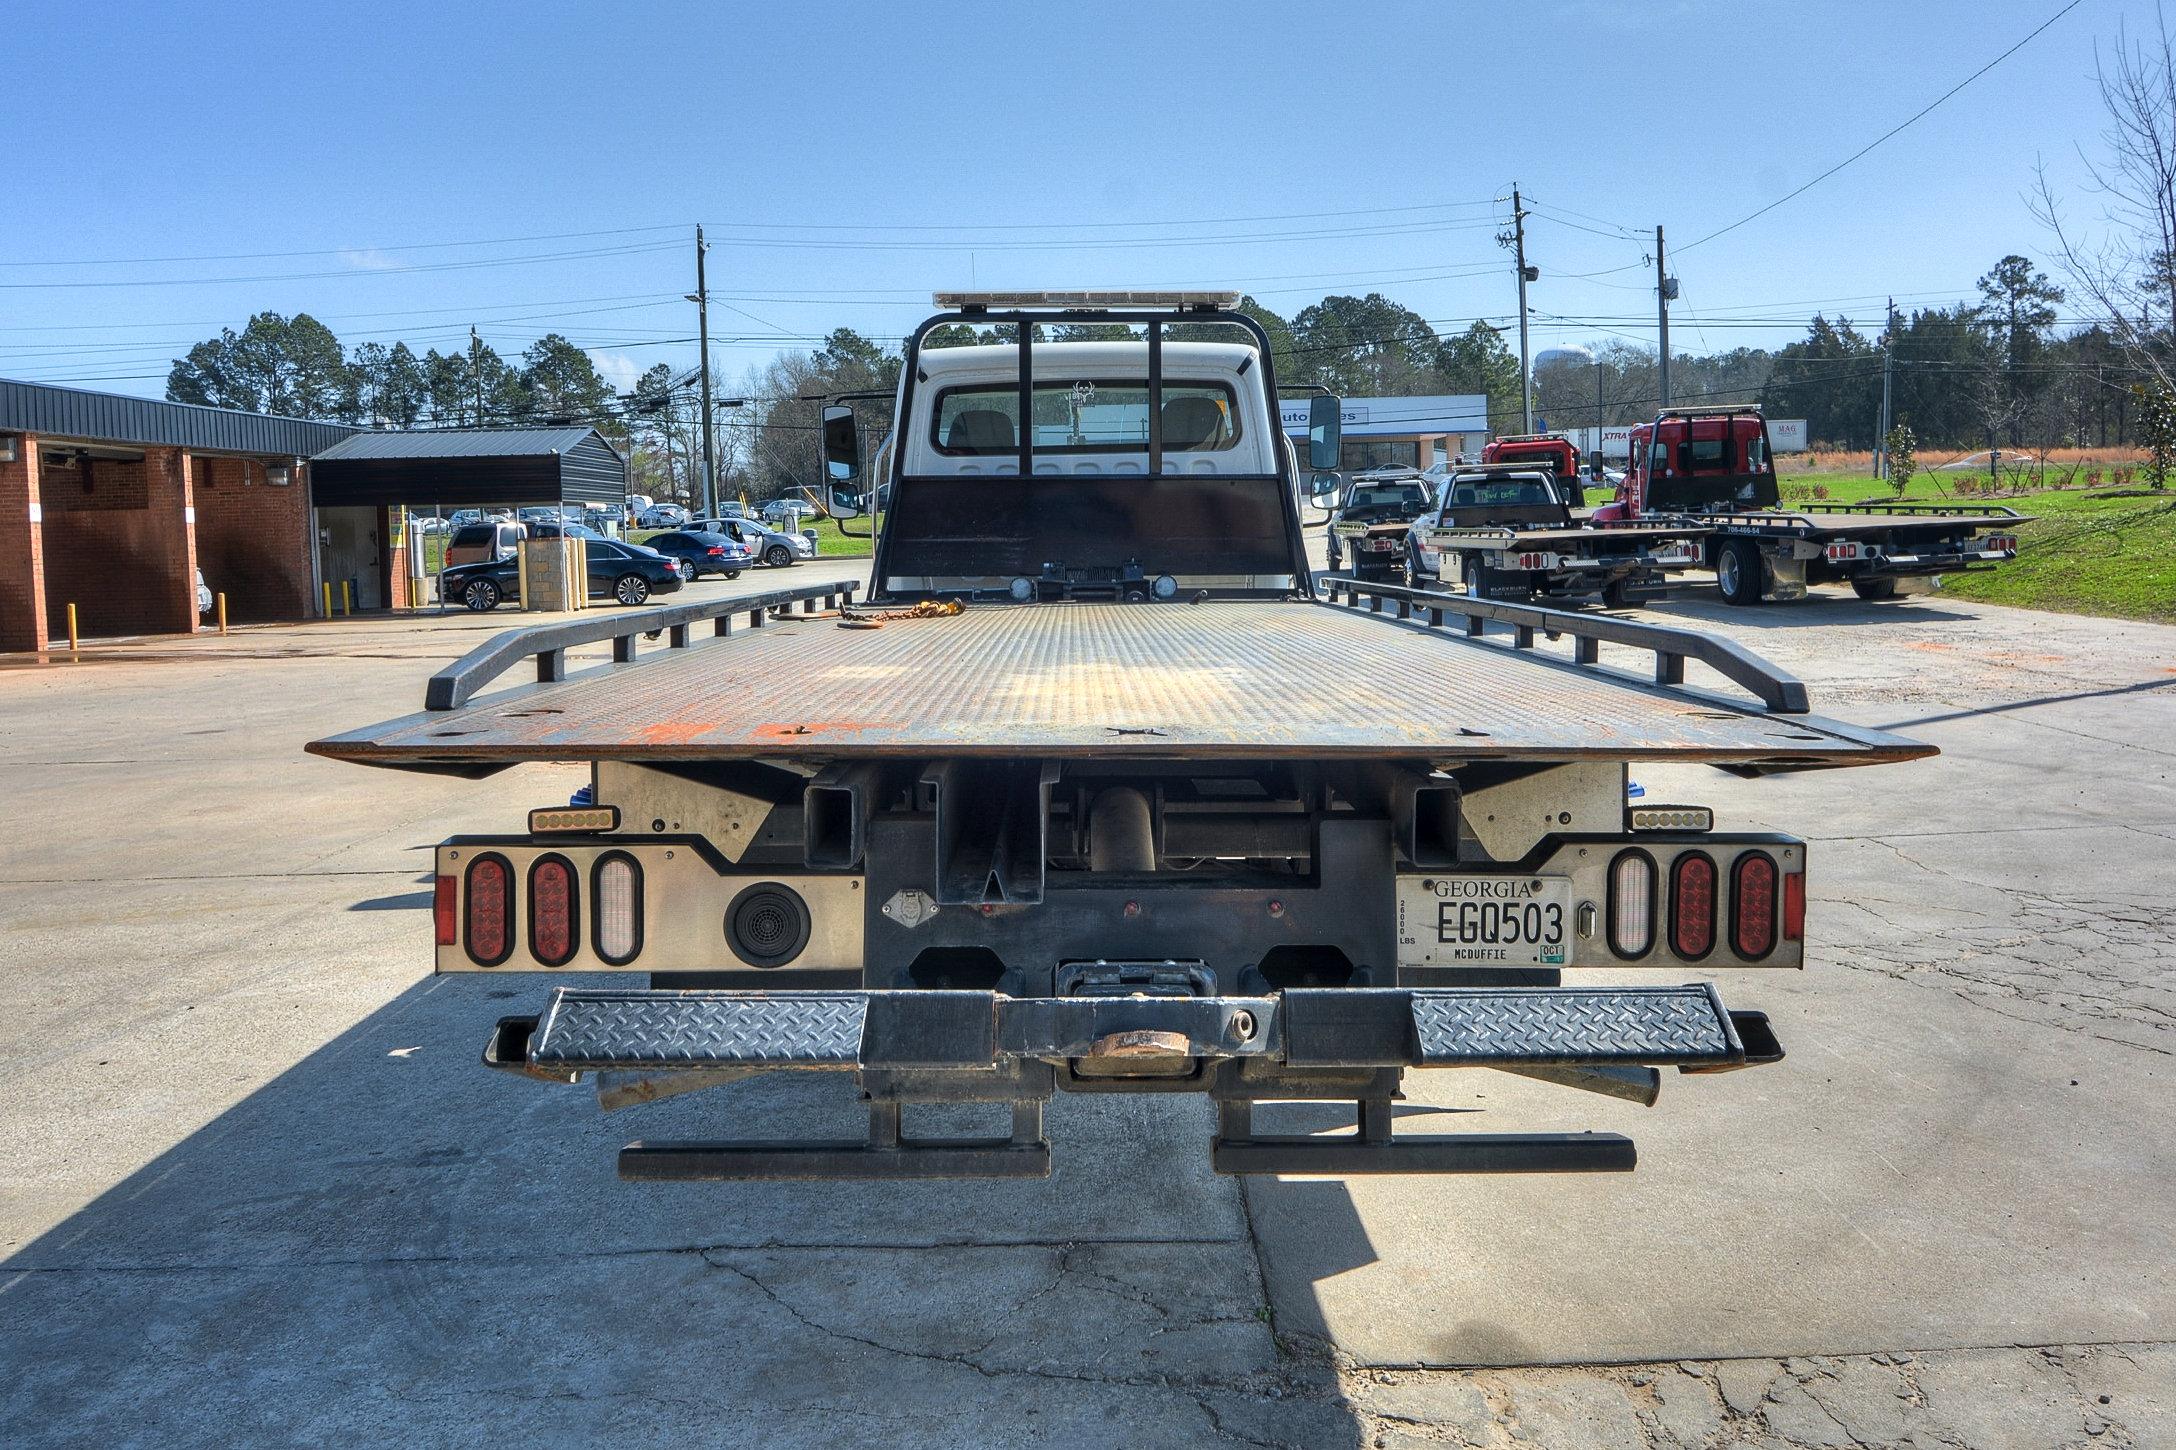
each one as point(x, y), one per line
point(1477, 361)
point(2157, 430)
point(560, 382)
point(2018, 309)
point(950, 334)
point(1903, 452)
point(289, 366)
point(850, 362)
point(1832, 380)
point(387, 386)
point(1366, 345)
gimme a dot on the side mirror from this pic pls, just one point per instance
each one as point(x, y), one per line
point(1325, 431)
point(842, 444)
point(845, 505)
point(1322, 489)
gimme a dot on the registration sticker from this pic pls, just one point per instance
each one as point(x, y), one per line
point(1458, 921)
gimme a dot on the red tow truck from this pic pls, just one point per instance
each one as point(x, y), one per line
point(1553, 449)
point(1712, 466)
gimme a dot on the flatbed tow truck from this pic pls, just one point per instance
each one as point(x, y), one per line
point(1100, 792)
point(1712, 466)
point(1511, 531)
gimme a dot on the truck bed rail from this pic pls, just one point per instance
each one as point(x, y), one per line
point(1783, 694)
point(1913, 507)
point(459, 682)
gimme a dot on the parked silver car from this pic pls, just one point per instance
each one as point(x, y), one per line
point(774, 547)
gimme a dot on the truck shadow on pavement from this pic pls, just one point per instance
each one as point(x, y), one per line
point(388, 1241)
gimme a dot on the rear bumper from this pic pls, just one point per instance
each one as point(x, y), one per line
point(1891, 566)
point(1312, 1044)
point(1334, 1029)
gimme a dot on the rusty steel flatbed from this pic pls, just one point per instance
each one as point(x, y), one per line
point(1826, 524)
point(1279, 680)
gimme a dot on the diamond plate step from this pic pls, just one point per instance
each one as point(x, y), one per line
point(632, 1029)
point(1684, 1025)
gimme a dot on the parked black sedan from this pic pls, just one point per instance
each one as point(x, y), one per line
point(628, 573)
point(703, 553)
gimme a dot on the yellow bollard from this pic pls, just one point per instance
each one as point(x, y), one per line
point(222, 612)
point(71, 629)
point(328, 599)
point(347, 598)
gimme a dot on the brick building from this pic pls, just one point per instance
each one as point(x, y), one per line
point(116, 504)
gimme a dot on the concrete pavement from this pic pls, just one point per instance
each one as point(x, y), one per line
point(259, 1191)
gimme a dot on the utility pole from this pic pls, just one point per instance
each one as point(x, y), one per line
point(1598, 425)
point(476, 370)
point(1526, 274)
point(1665, 289)
point(1888, 357)
point(701, 299)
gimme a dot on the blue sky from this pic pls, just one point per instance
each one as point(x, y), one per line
point(848, 159)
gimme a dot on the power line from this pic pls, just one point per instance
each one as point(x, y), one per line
point(362, 271)
point(1893, 130)
point(336, 251)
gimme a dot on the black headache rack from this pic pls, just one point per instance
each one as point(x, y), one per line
point(1107, 531)
point(928, 1046)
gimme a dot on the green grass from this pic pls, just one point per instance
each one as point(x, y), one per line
point(2084, 553)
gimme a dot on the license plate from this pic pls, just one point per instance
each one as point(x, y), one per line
point(1460, 921)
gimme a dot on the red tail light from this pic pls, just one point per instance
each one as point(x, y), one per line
point(1692, 906)
point(553, 928)
point(490, 894)
point(444, 899)
point(1794, 906)
point(1753, 905)
point(715, 552)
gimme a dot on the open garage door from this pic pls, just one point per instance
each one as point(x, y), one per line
point(116, 540)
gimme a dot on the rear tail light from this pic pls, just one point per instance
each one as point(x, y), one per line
point(488, 927)
point(714, 552)
point(1692, 906)
point(445, 910)
point(618, 908)
point(1841, 552)
point(554, 911)
point(1753, 886)
point(1632, 904)
point(1794, 906)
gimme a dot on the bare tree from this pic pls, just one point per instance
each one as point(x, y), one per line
point(2128, 275)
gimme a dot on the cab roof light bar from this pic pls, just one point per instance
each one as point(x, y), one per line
point(962, 301)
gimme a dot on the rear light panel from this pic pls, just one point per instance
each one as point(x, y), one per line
point(1844, 553)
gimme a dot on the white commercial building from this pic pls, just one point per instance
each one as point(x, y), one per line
point(1418, 431)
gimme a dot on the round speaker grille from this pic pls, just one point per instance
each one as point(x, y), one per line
point(767, 925)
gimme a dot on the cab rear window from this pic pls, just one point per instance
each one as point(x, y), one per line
point(1084, 416)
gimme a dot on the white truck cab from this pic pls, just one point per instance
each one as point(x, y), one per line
point(1147, 466)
